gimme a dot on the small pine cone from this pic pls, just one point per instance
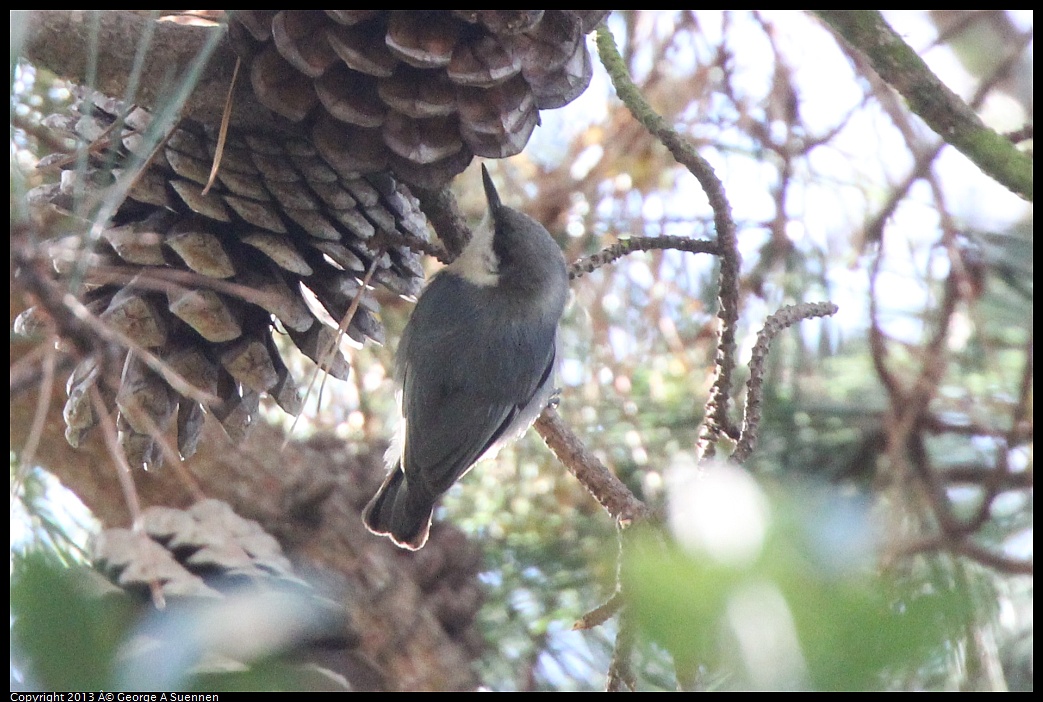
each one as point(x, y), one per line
point(418, 91)
point(231, 595)
point(203, 281)
point(201, 551)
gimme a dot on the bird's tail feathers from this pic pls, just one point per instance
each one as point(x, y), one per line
point(400, 511)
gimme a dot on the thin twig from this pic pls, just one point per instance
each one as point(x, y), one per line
point(716, 420)
point(964, 546)
point(624, 247)
point(620, 672)
point(43, 405)
point(785, 317)
point(444, 214)
point(328, 355)
point(600, 614)
point(123, 469)
point(592, 474)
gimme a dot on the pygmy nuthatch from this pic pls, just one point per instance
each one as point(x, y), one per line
point(474, 367)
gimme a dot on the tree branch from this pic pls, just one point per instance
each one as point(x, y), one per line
point(942, 110)
point(114, 50)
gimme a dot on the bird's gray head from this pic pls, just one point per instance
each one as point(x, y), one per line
point(513, 252)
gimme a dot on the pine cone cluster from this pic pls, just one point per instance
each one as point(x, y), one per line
point(282, 239)
point(419, 92)
point(199, 280)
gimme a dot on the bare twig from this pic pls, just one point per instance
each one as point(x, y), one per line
point(785, 317)
point(43, 403)
point(444, 214)
point(620, 672)
point(966, 547)
point(592, 474)
point(600, 614)
point(119, 458)
point(716, 421)
point(328, 354)
point(640, 243)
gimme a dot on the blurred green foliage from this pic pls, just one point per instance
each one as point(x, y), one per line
point(809, 612)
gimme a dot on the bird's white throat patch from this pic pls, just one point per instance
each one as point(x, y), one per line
point(478, 263)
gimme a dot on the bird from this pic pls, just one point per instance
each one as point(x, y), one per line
point(474, 367)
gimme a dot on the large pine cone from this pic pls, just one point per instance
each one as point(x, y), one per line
point(418, 91)
point(199, 281)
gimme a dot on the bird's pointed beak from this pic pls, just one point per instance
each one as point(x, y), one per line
point(490, 190)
